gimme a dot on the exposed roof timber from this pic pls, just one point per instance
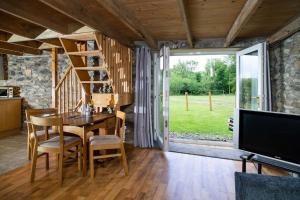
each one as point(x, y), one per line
point(80, 11)
point(47, 46)
point(53, 41)
point(18, 38)
point(184, 16)
point(43, 43)
point(19, 48)
point(204, 51)
point(285, 31)
point(38, 13)
point(14, 25)
point(126, 17)
point(47, 36)
point(5, 51)
point(32, 43)
point(247, 11)
point(4, 36)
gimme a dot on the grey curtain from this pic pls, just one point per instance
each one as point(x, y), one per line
point(143, 132)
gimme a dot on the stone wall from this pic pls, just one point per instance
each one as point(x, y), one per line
point(33, 75)
point(285, 75)
point(212, 43)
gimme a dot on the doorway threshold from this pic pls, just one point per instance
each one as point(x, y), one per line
point(223, 152)
point(211, 143)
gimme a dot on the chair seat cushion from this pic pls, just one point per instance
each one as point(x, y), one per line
point(54, 142)
point(42, 132)
point(104, 139)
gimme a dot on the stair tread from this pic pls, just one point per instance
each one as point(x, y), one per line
point(95, 81)
point(86, 53)
point(96, 68)
point(102, 93)
point(80, 36)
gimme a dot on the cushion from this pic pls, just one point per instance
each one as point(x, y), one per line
point(42, 132)
point(104, 139)
point(54, 142)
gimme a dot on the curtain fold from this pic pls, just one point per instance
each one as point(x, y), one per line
point(143, 132)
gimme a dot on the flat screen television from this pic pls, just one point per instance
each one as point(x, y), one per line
point(275, 135)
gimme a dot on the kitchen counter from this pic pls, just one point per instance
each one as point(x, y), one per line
point(13, 98)
point(10, 114)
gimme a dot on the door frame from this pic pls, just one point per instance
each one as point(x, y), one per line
point(166, 88)
point(156, 88)
point(162, 136)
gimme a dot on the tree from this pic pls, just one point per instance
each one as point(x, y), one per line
point(219, 75)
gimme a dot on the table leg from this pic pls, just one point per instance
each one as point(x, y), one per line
point(244, 163)
point(84, 154)
point(259, 168)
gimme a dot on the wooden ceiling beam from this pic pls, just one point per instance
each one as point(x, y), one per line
point(246, 13)
point(86, 13)
point(19, 48)
point(32, 43)
point(52, 41)
point(184, 17)
point(5, 51)
point(127, 18)
point(14, 25)
point(4, 36)
point(38, 13)
point(289, 29)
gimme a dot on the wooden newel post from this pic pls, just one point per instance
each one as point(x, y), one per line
point(209, 101)
point(54, 76)
point(186, 102)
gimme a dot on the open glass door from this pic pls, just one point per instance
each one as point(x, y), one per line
point(161, 102)
point(252, 81)
point(250, 84)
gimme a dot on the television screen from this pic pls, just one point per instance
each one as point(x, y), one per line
point(271, 134)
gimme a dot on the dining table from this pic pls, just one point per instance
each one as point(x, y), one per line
point(86, 124)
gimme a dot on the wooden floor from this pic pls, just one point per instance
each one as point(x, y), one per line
point(152, 175)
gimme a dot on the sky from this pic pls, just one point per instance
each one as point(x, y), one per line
point(201, 59)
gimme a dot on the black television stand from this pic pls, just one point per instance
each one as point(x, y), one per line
point(260, 160)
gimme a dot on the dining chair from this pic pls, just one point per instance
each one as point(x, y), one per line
point(59, 145)
point(106, 142)
point(41, 134)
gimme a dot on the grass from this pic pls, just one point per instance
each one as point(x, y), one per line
point(199, 120)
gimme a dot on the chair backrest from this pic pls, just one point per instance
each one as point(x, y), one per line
point(47, 122)
point(32, 112)
point(115, 101)
point(105, 100)
point(120, 124)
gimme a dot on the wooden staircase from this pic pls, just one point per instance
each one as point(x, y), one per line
point(68, 92)
point(114, 60)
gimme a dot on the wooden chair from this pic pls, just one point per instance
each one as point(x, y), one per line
point(41, 134)
point(59, 145)
point(105, 101)
point(105, 142)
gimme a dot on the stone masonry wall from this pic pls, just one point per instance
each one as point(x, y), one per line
point(285, 75)
point(33, 75)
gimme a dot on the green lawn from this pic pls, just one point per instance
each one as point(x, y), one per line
point(199, 120)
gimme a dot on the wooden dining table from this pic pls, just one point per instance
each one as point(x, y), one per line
point(86, 123)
